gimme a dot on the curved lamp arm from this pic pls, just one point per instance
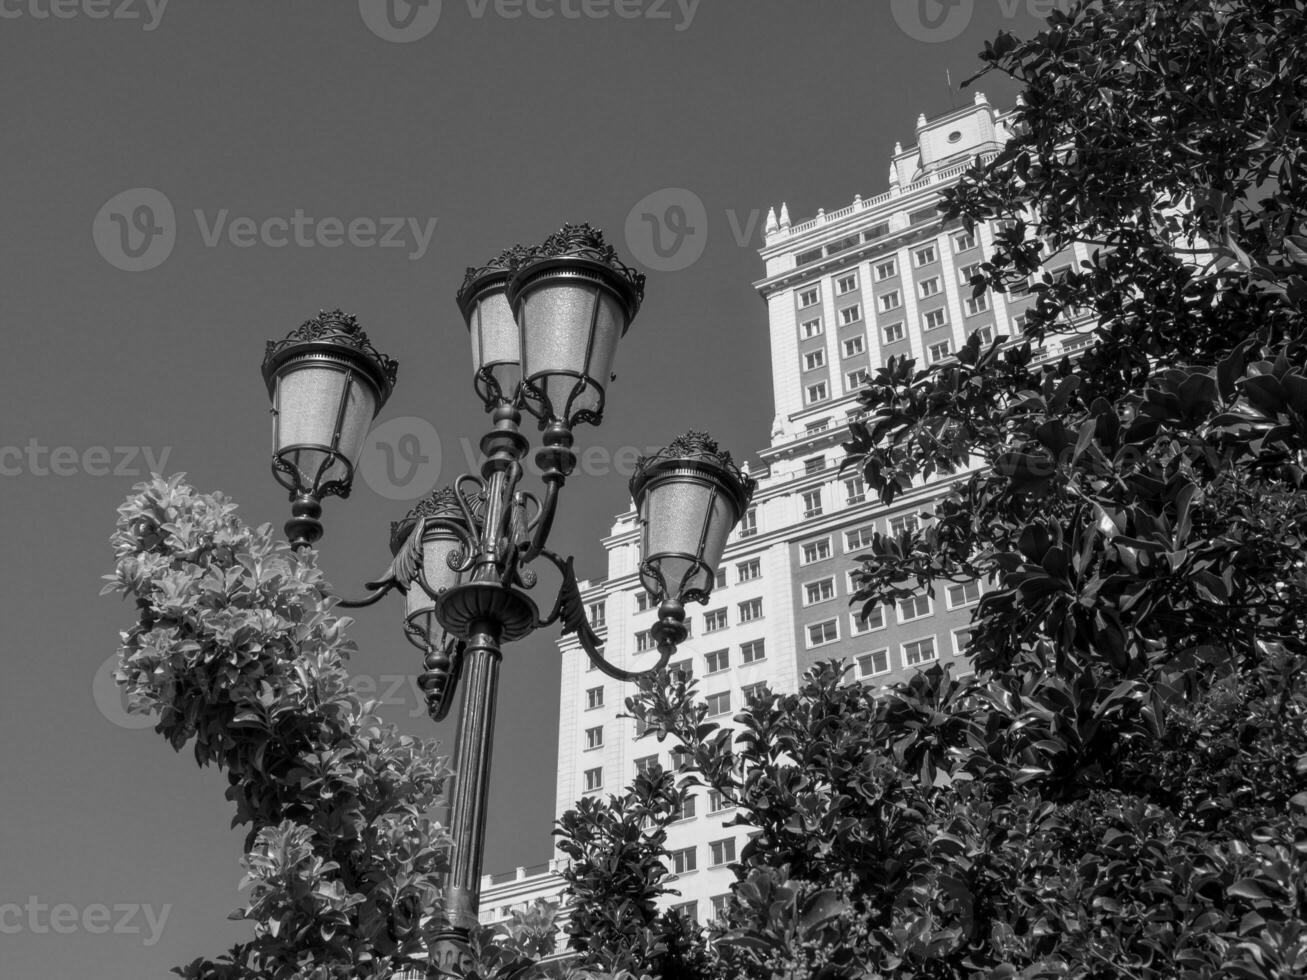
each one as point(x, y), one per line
point(406, 568)
point(571, 611)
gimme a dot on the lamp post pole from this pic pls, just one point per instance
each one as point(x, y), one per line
point(545, 323)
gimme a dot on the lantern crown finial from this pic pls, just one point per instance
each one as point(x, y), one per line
point(338, 329)
point(698, 447)
point(583, 241)
point(499, 269)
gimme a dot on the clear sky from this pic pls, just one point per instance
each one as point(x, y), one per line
point(479, 129)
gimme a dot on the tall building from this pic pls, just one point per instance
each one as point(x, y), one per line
point(845, 291)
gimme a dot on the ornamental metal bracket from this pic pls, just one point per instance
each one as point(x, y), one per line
point(570, 609)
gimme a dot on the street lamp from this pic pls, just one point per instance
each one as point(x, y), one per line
point(544, 324)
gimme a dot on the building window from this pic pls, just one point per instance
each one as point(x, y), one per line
point(817, 393)
point(812, 503)
point(976, 304)
point(684, 809)
point(846, 283)
point(717, 802)
point(594, 737)
point(934, 319)
point(893, 332)
point(890, 301)
point(823, 590)
point(919, 652)
point(1019, 288)
point(644, 641)
point(903, 523)
point(723, 851)
point(719, 581)
point(717, 661)
point(855, 491)
point(962, 640)
point(813, 360)
point(859, 537)
point(597, 618)
point(812, 428)
point(914, 607)
point(811, 328)
point(985, 333)
point(681, 759)
point(963, 593)
point(856, 379)
point(594, 698)
point(815, 551)
point(719, 703)
point(938, 351)
point(871, 664)
point(819, 634)
point(714, 620)
point(814, 464)
point(809, 297)
point(928, 287)
point(720, 903)
point(854, 346)
point(646, 764)
point(967, 273)
point(682, 861)
point(747, 571)
point(925, 255)
point(753, 651)
point(689, 911)
point(850, 314)
point(886, 270)
point(749, 523)
point(752, 692)
point(1019, 322)
point(875, 620)
point(964, 241)
point(594, 779)
point(750, 610)
point(680, 671)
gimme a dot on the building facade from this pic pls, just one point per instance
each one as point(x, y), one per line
point(844, 291)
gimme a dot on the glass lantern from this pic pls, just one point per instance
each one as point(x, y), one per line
point(688, 497)
point(496, 340)
point(573, 300)
point(327, 383)
point(433, 562)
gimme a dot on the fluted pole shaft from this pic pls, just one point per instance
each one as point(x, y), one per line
point(471, 779)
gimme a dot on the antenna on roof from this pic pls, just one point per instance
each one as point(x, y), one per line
point(952, 95)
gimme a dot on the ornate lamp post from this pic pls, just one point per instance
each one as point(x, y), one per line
point(545, 323)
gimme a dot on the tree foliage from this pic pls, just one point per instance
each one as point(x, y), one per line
point(1120, 790)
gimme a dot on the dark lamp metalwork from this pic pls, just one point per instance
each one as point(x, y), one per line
point(327, 383)
point(573, 300)
point(544, 324)
point(496, 339)
point(433, 546)
point(688, 497)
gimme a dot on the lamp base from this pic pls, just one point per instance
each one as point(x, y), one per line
point(463, 606)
